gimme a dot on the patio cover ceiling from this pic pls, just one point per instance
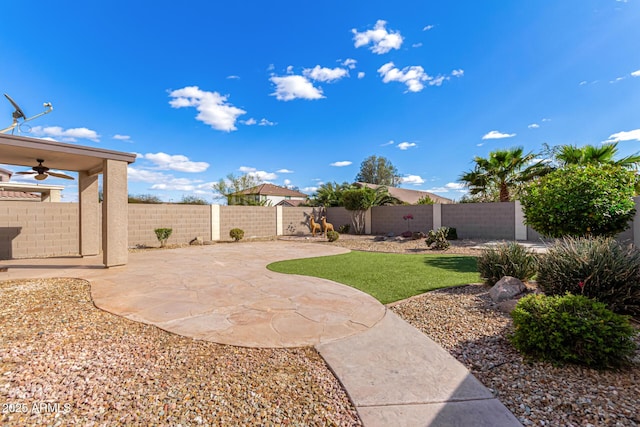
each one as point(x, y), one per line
point(23, 151)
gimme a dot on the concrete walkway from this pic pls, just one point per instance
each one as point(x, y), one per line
point(394, 374)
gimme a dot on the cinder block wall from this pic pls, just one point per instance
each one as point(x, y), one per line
point(187, 222)
point(339, 216)
point(256, 221)
point(32, 229)
point(389, 219)
point(295, 221)
point(481, 220)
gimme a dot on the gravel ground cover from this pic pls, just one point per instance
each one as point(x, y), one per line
point(65, 362)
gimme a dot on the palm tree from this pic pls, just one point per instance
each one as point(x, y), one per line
point(502, 171)
point(598, 155)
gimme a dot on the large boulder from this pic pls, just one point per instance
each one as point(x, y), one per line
point(507, 288)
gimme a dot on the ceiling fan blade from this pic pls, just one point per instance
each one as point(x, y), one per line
point(26, 173)
point(59, 175)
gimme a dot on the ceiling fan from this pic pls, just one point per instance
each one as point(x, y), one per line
point(42, 172)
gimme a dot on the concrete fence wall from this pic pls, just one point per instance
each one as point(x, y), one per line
point(51, 229)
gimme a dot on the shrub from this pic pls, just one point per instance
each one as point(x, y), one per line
point(163, 235)
point(236, 234)
point(438, 238)
point(344, 229)
point(574, 329)
point(599, 268)
point(452, 234)
point(506, 259)
point(332, 236)
point(580, 201)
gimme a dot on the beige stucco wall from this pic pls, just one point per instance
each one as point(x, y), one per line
point(187, 222)
point(256, 221)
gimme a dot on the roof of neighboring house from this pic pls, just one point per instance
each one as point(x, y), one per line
point(270, 190)
point(18, 195)
point(409, 196)
point(291, 203)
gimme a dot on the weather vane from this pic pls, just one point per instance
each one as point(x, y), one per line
point(19, 114)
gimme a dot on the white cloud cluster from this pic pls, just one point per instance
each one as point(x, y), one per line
point(632, 135)
point(406, 145)
point(457, 73)
point(65, 135)
point(324, 74)
point(213, 108)
point(293, 87)
point(262, 122)
point(380, 39)
point(414, 77)
point(262, 176)
point(448, 187)
point(636, 73)
point(412, 179)
point(284, 171)
point(122, 137)
point(428, 27)
point(176, 162)
point(494, 134)
point(533, 126)
point(350, 63)
point(341, 164)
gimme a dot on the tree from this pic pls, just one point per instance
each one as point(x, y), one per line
point(192, 200)
point(378, 170)
point(359, 200)
point(144, 198)
point(593, 155)
point(329, 194)
point(580, 201)
point(232, 184)
point(502, 173)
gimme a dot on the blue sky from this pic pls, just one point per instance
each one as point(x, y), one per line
point(301, 93)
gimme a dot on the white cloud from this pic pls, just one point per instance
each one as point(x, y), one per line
point(142, 175)
point(391, 142)
point(287, 182)
point(265, 122)
point(349, 63)
point(412, 76)
point(533, 126)
point(290, 69)
point(66, 135)
point(428, 27)
point(546, 120)
point(341, 163)
point(636, 73)
point(293, 87)
point(406, 145)
point(381, 40)
point(455, 186)
point(213, 108)
point(458, 73)
point(246, 169)
point(310, 190)
point(233, 77)
point(412, 179)
point(632, 135)
point(323, 74)
point(582, 83)
point(249, 122)
point(260, 175)
point(284, 171)
point(122, 137)
point(416, 45)
point(494, 134)
point(361, 75)
point(176, 162)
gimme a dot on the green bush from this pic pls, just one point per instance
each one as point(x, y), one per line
point(580, 201)
point(599, 268)
point(506, 259)
point(574, 329)
point(438, 238)
point(236, 234)
point(332, 236)
point(344, 229)
point(163, 235)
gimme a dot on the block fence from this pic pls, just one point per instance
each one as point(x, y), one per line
point(29, 229)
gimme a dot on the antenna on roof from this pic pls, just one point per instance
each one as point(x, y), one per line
point(19, 114)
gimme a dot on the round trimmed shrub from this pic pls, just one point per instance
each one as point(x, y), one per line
point(572, 329)
point(600, 268)
point(236, 234)
point(332, 236)
point(506, 259)
point(580, 201)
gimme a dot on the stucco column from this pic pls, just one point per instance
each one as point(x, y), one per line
point(115, 214)
point(521, 228)
point(89, 214)
point(279, 221)
point(437, 215)
point(367, 221)
point(215, 223)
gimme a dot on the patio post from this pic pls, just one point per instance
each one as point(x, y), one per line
point(89, 213)
point(115, 213)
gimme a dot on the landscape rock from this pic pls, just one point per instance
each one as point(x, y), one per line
point(198, 241)
point(506, 288)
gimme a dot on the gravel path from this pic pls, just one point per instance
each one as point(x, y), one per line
point(65, 362)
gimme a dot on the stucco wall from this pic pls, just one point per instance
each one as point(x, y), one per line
point(389, 219)
point(30, 230)
point(187, 222)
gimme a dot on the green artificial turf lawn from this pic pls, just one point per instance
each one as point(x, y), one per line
point(387, 277)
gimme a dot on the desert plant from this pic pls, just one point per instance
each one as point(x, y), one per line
point(236, 234)
point(332, 236)
point(574, 329)
point(163, 235)
point(580, 201)
point(506, 259)
point(344, 229)
point(438, 238)
point(600, 268)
